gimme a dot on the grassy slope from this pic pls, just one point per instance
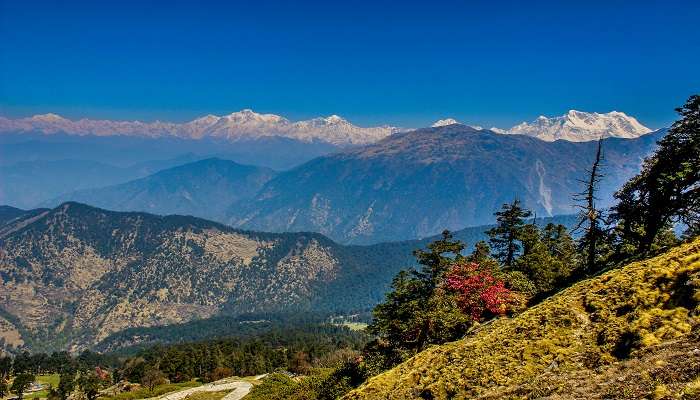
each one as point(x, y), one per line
point(629, 333)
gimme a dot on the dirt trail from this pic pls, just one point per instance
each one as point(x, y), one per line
point(238, 388)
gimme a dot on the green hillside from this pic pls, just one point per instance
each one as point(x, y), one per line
point(628, 333)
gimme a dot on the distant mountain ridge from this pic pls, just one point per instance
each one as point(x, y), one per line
point(408, 186)
point(578, 126)
point(29, 183)
point(204, 188)
point(242, 125)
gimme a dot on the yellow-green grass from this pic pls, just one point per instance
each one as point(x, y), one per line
point(159, 390)
point(590, 328)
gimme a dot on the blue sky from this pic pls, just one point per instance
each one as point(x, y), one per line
point(404, 63)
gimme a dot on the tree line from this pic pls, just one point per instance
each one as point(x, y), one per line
point(296, 348)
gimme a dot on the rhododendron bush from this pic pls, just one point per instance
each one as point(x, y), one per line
point(479, 292)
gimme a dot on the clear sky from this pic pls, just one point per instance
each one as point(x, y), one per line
point(399, 62)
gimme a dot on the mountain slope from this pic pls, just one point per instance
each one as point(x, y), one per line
point(590, 333)
point(203, 188)
point(75, 274)
point(416, 184)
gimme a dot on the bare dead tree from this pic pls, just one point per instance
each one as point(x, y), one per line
point(589, 215)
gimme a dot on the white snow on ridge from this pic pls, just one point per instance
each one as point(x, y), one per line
point(578, 126)
point(244, 124)
point(444, 122)
point(574, 126)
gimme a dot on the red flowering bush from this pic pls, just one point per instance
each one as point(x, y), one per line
point(478, 290)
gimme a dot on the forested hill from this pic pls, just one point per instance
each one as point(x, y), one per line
point(72, 275)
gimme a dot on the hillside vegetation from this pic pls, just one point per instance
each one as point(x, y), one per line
point(72, 276)
point(628, 333)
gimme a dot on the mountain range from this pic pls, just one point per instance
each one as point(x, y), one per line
point(577, 126)
point(28, 183)
point(409, 185)
point(242, 125)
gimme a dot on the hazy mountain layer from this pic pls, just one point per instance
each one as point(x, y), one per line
point(126, 151)
point(204, 189)
point(30, 183)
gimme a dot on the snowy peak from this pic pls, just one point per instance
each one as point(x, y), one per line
point(575, 126)
point(248, 115)
point(334, 119)
point(579, 126)
point(241, 125)
point(49, 117)
point(444, 122)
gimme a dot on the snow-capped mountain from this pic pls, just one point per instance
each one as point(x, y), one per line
point(451, 121)
point(444, 122)
point(579, 126)
point(244, 124)
point(574, 126)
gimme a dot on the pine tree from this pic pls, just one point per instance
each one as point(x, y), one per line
point(438, 259)
point(505, 235)
point(667, 190)
point(549, 256)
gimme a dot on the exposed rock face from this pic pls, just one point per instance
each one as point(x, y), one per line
point(76, 274)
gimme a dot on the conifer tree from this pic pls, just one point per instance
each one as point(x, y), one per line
point(667, 190)
point(504, 236)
